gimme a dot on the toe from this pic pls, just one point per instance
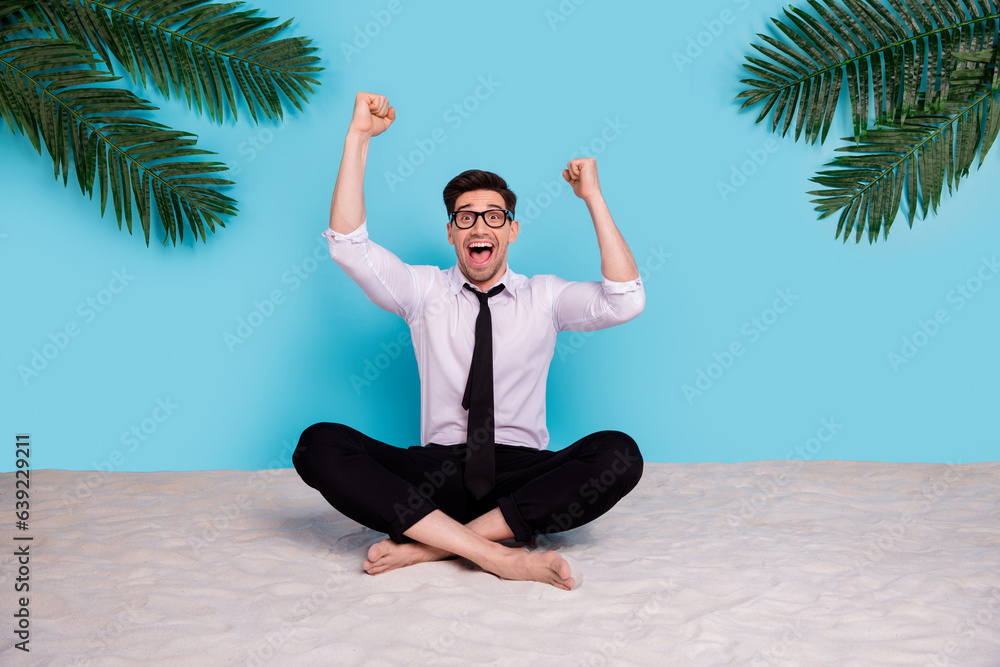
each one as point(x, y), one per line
point(376, 551)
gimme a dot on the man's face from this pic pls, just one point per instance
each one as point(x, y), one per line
point(481, 249)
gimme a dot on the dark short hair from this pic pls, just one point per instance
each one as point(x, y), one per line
point(477, 179)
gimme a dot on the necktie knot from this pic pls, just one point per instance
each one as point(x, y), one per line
point(484, 296)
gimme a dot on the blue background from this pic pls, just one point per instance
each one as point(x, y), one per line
point(556, 85)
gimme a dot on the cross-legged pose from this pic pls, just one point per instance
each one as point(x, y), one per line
point(484, 337)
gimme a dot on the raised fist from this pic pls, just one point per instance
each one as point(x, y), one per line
point(372, 114)
point(582, 175)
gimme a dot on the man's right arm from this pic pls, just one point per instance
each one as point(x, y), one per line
point(385, 279)
point(372, 116)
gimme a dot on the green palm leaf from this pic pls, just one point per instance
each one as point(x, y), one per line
point(884, 52)
point(922, 155)
point(54, 92)
point(207, 52)
point(7, 9)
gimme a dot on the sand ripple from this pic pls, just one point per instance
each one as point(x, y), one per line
point(765, 563)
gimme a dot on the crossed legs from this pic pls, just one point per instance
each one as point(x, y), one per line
point(416, 495)
point(389, 555)
point(438, 536)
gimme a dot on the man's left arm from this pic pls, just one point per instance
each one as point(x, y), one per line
point(617, 263)
point(583, 306)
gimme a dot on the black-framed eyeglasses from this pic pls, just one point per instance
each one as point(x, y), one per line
point(493, 218)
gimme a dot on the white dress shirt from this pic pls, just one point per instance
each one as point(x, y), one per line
point(526, 315)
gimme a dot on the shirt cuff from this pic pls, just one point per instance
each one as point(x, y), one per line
point(359, 235)
point(615, 287)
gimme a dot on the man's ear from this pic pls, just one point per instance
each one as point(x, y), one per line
point(451, 239)
point(512, 235)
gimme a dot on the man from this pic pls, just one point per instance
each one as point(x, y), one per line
point(484, 337)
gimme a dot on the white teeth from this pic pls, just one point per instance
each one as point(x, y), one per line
point(480, 244)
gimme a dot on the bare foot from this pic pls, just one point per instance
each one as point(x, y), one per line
point(388, 555)
point(517, 564)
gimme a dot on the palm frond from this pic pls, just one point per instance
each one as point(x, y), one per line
point(921, 155)
point(54, 92)
point(884, 52)
point(207, 52)
point(14, 19)
point(12, 7)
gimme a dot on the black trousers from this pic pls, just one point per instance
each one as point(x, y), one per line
point(388, 489)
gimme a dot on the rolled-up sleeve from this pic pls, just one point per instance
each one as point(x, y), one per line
point(587, 306)
point(386, 280)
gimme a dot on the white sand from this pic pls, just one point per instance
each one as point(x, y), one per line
point(767, 563)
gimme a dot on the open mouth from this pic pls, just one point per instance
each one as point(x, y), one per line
point(480, 252)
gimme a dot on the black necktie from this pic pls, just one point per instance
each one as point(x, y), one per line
point(480, 467)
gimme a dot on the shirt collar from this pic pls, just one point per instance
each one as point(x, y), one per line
point(509, 279)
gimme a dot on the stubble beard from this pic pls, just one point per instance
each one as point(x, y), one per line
point(484, 273)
